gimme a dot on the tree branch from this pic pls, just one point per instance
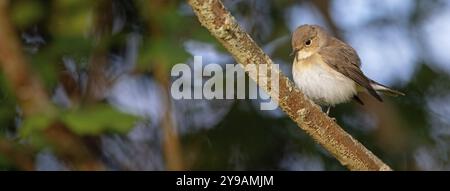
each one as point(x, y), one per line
point(171, 141)
point(27, 87)
point(308, 116)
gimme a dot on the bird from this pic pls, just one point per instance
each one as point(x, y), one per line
point(328, 71)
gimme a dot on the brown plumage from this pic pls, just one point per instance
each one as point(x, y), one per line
point(313, 45)
point(335, 53)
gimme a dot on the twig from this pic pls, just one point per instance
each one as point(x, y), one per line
point(171, 140)
point(27, 87)
point(308, 116)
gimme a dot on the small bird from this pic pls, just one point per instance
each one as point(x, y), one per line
point(328, 71)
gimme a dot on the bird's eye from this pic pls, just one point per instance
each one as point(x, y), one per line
point(308, 42)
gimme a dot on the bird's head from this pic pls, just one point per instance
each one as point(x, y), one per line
point(307, 40)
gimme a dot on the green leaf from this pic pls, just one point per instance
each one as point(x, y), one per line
point(32, 127)
point(98, 119)
point(24, 13)
point(73, 18)
point(92, 120)
point(35, 123)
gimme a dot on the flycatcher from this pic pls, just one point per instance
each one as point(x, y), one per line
point(328, 71)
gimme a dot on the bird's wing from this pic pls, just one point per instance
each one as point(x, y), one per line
point(344, 59)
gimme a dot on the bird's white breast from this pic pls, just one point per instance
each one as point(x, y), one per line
point(322, 84)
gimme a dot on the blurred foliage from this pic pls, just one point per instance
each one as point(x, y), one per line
point(72, 18)
point(163, 42)
point(7, 107)
point(26, 13)
point(86, 121)
point(4, 163)
point(98, 119)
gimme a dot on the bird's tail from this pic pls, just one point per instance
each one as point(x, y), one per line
point(385, 90)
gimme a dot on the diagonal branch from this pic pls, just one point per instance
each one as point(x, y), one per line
point(29, 91)
point(308, 116)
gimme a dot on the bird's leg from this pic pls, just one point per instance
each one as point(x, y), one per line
point(328, 113)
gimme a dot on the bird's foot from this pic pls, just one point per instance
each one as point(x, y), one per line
point(328, 113)
point(328, 110)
